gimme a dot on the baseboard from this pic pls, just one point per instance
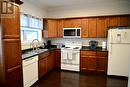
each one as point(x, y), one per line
point(118, 77)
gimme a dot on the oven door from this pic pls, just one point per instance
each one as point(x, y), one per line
point(70, 57)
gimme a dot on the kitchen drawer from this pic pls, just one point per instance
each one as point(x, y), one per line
point(88, 53)
point(43, 55)
point(102, 54)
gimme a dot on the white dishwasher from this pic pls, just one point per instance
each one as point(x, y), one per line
point(30, 71)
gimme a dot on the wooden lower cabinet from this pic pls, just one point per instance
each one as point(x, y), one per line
point(102, 59)
point(57, 58)
point(51, 61)
point(14, 77)
point(92, 61)
point(46, 62)
point(42, 67)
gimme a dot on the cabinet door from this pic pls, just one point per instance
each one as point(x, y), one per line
point(118, 21)
point(14, 77)
point(60, 28)
point(12, 52)
point(113, 21)
point(91, 63)
point(102, 64)
point(92, 27)
point(124, 21)
point(72, 23)
point(51, 60)
point(58, 58)
point(83, 64)
point(102, 59)
point(102, 24)
point(84, 29)
point(11, 26)
point(42, 67)
point(52, 28)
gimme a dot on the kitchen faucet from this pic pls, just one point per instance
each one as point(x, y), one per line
point(35, 44)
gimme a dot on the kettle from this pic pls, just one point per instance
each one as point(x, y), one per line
point(93, 44)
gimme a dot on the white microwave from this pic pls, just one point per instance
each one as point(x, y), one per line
point(72, 32)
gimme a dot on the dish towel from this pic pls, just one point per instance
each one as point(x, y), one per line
point(70, 57)
point(64, 55)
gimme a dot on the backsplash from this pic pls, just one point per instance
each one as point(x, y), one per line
point(85, 41)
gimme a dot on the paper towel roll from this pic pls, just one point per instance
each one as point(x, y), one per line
point(104, 44)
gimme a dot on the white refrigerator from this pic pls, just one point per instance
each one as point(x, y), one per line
point(129, 76)
point(119, 52)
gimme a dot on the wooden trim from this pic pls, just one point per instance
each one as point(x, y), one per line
point(12, 69)
point(89, 16)
point(118, 77)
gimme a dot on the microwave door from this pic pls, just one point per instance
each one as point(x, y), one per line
point(69, 32)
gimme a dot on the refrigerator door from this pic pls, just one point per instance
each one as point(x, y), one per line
point(120, 36)
point(118, 61)
point(129, 77)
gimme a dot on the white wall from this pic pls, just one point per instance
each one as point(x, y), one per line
point(91, 9)
point(33, 10)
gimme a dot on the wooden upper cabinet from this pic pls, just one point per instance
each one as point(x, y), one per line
point(92, 27)
point(11, 26)
point(84, 28)
point(118, 21)
point(50, 26)
point(102, 26)
point(113, 21)
point(60, 28)
point(72, 23)
point(124, 21)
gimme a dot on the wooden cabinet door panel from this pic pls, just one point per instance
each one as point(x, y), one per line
point(72, 23)
point(84, 28)
point(124, 21)
point(102, 64)
point(52, 28)
point(60, 28)
point(58, 58)
point(14, 77)
point(92, 27)
point(113, 21)
point(91, 63)
point(83, 64)
point(102, 24)
point(11, 26)
point(53, 59)
point(42, 67)
point(12, 52)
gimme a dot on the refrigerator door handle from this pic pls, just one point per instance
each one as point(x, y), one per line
point(125, 35)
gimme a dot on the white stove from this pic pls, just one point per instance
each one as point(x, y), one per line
point(70, 56)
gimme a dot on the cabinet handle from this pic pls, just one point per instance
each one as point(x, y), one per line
point(84, 68)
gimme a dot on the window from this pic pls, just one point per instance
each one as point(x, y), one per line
point(31, 28)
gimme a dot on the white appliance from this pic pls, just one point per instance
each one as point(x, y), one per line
point(70, 56)
point(72, 32)
point(30, 71)
point(119, 52)
point(129, 77)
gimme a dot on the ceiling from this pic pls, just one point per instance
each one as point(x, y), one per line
point(57, 3)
